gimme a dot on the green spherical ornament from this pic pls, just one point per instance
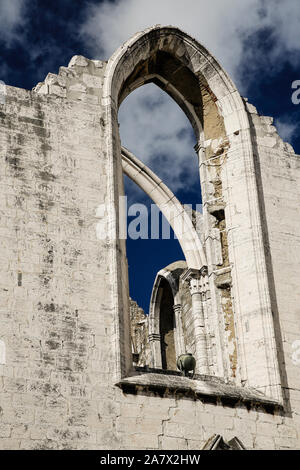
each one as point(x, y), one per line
point(186, 363)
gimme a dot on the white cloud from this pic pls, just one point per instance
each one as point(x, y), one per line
point(4, 70)
point(11, 17)
point(221, 25)
point(286, 128)
point(284, 20)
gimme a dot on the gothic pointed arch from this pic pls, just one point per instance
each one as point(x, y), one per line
point(165, 304)
point(186, 71)
point(217, 442)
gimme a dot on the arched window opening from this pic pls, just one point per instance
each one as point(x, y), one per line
point(187, 72)
point(163, 135)
point(168, 335)
point(217, 442)
point(162, 144)
point(166, 327)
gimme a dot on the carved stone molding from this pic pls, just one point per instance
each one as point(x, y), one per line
point(198, 281)
point(154, 337)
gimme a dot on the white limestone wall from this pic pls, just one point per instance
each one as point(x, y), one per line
point(278, 173)
point(168, 423)
point(56, 326)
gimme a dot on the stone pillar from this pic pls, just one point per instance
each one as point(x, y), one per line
point(199, 288)
point(155, 346)
point(178, 333)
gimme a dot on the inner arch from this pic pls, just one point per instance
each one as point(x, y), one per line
point(169, 74)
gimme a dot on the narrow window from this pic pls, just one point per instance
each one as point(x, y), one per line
point(166, 327)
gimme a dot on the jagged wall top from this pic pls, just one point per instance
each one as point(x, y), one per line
point(82, 80)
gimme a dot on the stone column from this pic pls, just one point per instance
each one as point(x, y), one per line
point(155, 346)
point(178, 333)
point(199, 288)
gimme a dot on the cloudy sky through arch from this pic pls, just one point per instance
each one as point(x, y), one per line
point(157, 131)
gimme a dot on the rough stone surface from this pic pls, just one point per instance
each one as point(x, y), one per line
point(139, 334)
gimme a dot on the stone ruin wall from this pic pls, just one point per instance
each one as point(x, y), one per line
point(56, 290)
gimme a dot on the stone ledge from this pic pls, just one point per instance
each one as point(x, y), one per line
point(201, 387)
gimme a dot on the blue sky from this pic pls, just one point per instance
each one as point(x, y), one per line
point(256, 41)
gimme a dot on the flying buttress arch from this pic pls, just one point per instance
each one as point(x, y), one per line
point(169, 205)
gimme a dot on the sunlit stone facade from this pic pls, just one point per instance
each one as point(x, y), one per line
point(68, 378)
